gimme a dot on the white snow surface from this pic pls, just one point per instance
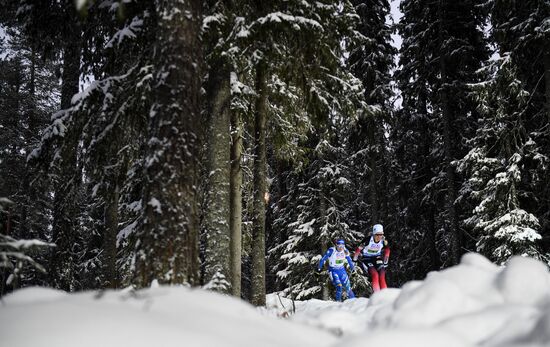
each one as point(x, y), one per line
point(159, 316)
point(473, 304)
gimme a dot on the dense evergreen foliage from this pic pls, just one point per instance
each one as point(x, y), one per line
point(228, 143)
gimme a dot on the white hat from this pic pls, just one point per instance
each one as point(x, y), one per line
point(378, 229)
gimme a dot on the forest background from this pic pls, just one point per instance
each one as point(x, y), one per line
point(226, 144)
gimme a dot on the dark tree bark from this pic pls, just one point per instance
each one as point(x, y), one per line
point(374, 178)
point(71, 65)
point(325, 294)
point(216, 219)
point(110, 234)
point(448, 145)
point(167, 250)
point(546, 58)
point(235, 203)
point(31, 134)
point(260, 188)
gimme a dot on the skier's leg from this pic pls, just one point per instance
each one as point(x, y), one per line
point(344, 279)
point(338, 284)
point(339, 292)
point(374, 278)
point(383, 278)
point(351, 295)
point(347, 284)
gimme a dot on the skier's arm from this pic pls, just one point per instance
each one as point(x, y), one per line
point(324, 258)
point(386, 253)
point(357, 251)
point(350, 263)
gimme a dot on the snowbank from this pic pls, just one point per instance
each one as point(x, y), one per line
point(473, 304)
point(163, 316)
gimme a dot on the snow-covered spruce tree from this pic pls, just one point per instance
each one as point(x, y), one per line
point(496, 167)
point(107, 121)
point(29, 93)
point(304, 65)
point(113, 139)
point(66, 172)
point(412, 169)
point(167, 246)
point(226, 38)
point(113, 161)
point(413, 136)
point(16, 255)
point(522, 29)
point(56, 29)
point(276, 36)
point(312, 215)
point(371, 62)
point(116, 106)
point(443, 47)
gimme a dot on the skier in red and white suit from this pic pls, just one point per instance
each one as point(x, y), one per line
point(374, 257)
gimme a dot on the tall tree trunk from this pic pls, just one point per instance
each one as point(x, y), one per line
point(260, 188)
point(373, 173)
point(235, 203)
point(325, 294)
point(431, 243)
point(546, 58)
point(448, 143)
point(216, 219)
point(546, 182)
point(64, 208)
point(116, 168)
point(110, 234)
point(167, 250)
point(31, 136)
point(71, 66)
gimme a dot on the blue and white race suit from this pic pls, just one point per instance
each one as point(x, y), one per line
point(337, 271)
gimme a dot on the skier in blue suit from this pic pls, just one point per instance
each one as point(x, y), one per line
point(337, 256)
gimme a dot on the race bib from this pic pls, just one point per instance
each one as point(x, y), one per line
point(373, 248)
point(337, 259)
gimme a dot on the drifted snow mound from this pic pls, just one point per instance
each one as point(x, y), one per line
point(159, 317)
point(473, 304)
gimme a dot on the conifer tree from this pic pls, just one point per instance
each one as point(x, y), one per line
point(313, 216)
point(371, 62)
point(168, 241)
point(311, 209)
point(29, 92)
point(495, 167)
point(216, 223)
point(443, 48)
point(521, 30)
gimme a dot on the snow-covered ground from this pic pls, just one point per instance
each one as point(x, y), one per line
point(473, 304)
